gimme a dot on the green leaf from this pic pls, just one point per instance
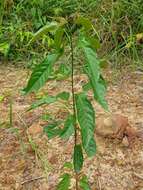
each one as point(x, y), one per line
point(63, 95)
point(78, 158)
point(64, 183)
point(92, 62)
point(94, 73)
point(41, 73)
point(4, 48)
point(68, 165)
point(68, 129)
point(86, 119)
point(44, 30)
point(51, 130)
point(84, 183)
point(58, 37)
point(91, 149)
point(85, 22)
point(43, 101)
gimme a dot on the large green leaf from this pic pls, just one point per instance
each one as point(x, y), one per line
point(68, 129)
point(78, 158)
point(41, 73)
point(86, 119)
point(94, 73)
point(64, 183)
point(84, 183)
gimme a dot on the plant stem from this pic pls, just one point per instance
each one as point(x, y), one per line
point(73, 100)
point(73, 94)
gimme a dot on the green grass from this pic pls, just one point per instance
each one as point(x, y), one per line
point(117, 23)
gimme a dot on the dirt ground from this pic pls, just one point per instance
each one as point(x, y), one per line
point(29, 161)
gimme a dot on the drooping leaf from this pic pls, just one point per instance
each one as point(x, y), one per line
point(68, 129)
point(42, 101)
point(92, 62)
point(64, 184)
point(84, 183)
point(86, 119)
point(41, 73)
point(78, 158)
point(44, 30)
point(94, 73)
point(52, 130)
point(63, 95)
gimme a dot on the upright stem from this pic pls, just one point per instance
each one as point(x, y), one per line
point(72, 81)
point(73, 101)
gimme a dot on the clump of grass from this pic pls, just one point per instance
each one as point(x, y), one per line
point(119, 23)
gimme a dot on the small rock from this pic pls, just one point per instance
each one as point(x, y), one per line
point(104, 127)
point(111, 125)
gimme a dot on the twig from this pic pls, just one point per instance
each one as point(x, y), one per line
point(99, 184)
point(33, 179)
point(98, 169)
point(138, 175)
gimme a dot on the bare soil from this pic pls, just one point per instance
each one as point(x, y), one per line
point(29, 161)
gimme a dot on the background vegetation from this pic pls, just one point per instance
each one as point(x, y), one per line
point(119, 25)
